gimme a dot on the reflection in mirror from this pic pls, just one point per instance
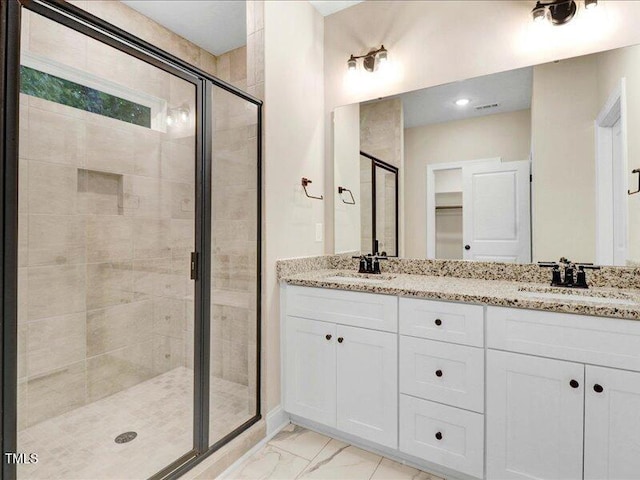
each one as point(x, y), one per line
point(526, 165)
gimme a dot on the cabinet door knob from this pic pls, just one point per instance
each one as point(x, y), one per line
point(598, 388)
point(340, 339)
point(439, 436)
point(438, 322)
point(574, 384)
point(467, 247)
point(438, 373)
point(328, 336)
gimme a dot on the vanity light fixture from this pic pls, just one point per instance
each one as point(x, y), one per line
point(461, 102)
point(558, 12)
point(370, 61)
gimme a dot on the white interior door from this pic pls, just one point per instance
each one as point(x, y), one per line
point(496, 212)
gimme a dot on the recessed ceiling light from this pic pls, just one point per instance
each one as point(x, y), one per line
point(461, 102)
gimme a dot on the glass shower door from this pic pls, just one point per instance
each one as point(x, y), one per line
point(107, 181)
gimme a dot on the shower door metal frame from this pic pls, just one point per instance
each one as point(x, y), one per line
point(377, 163)
point(98, 29)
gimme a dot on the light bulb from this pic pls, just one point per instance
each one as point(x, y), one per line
point(539, 14)
point(352, 64)
point(461, 102)
point(169, 120)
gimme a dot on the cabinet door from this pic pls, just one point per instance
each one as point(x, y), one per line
point(368, 384)
point(534, 417)
point(612, 424)
point(310, 370)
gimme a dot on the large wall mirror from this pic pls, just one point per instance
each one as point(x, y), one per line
point(521, 166)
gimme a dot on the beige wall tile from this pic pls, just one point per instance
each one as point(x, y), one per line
point(178, 162)
point(22, 350)
point(119, 369)
point(168, 353)
point(55, 342)
point(54, 137)
point(109, 238)
point(207, 62)
point(110, 149)
point(109, 284)
point(56, 239)
point(146, 153)
point(118, 326)
point(56, 392)
point(182, 200)
point(57, 42)
point(52, 188)
point(146, 197)
point(55, 290)
point(151, 238)
point(148, 276)
point(169, 317)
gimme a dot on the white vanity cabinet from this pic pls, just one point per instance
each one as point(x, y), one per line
point(338, 374)
point(563, 417)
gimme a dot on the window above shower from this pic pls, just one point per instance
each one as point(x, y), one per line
point(56, 82)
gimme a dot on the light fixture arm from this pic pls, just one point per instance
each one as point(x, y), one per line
point(370, 54)
point(369, 59)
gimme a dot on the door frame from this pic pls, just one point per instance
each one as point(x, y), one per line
point(94, 27)
point(614, 110)
point(377, 163)
point(432, 168)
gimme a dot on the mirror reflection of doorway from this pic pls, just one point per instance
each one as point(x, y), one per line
point(379, 212)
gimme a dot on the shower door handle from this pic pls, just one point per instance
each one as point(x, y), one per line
point(194, 266)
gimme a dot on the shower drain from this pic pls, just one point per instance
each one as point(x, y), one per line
point(125, 437)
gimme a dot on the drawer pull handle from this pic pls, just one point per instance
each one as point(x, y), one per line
point(598, 388)
point(438, 436)
point(574, 384)
point(340, 339)
point(438, 373)
point(438, 322)
point(328, 336)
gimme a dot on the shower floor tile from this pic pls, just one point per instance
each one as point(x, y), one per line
point(79, 445)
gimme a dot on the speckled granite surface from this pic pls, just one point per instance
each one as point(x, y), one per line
point(613, 277)
point(617, 303)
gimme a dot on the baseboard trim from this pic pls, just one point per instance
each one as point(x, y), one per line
point(276, 419)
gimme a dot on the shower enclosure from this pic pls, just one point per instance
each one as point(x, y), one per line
point(131, 253)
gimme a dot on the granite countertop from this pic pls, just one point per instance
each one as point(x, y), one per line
point(609, 302)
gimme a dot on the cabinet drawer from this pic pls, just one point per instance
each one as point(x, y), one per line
point(579, 338)
point(444, 435)
point(367, 310)
point(446, 373)
point(448, 322)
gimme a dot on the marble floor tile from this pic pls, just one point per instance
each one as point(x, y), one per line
point(390, 470)
point(300, 441)
point(271, 463)
point(341, 461)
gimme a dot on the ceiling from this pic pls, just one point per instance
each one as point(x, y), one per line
point(215, 26)
point(327, 7)
point(510, 90)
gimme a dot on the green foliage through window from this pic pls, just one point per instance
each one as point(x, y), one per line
point(56, 89)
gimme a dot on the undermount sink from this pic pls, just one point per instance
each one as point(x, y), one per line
point(586, 295)
point(361, 278)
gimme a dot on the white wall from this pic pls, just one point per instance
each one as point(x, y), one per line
point(347, 174)
point(505, 135)
point(294, 103)
point(435, 42)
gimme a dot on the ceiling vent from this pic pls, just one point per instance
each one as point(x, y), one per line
point(487, 106)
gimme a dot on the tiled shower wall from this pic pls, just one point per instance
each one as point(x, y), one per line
point(106, 227)
point(233, 340)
